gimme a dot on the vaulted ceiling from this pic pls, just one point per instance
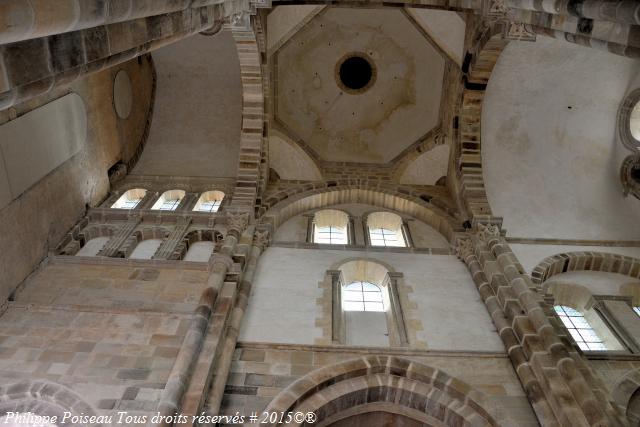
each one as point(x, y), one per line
point(314, 110)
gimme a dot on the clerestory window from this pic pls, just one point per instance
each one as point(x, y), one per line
point(385, 229)
point(169, 201)
point(362, 296)
point(130, 199)
point(330, 227)
point(209, 201)
point(580, 329)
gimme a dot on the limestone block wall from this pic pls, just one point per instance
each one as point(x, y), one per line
point(37, 220)
point(260, 372)
point(441, 306)
point(115, 361)
point(109, 333)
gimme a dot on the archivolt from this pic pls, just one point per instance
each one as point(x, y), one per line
point(479, 66)
point(304, 201)
point(43, 398)
point(585, 261)
point(376, 382)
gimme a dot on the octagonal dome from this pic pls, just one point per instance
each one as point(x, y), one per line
point(372, 124)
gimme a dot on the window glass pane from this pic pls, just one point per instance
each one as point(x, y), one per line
point(637, 310)
point(373, 296)
point(583, 346)
point(369, 287)
point(169, 205)
point(589, 335)
point(385, 237)
point(330, 235)
point(353, 306)
point(596, 346)
point(374, 306)
point(576, 335)
point(355, 286)
point(354, 298)
point(567, 322)
point(579, 328)
point(211, 206)
point(580, 322)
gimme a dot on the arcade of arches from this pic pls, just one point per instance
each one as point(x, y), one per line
point(418, 214)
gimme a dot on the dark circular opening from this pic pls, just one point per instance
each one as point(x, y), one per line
point(355, 72)
point(635, 173)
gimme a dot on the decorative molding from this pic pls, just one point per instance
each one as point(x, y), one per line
point(519, 32)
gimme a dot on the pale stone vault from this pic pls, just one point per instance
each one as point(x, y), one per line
point(405, 213)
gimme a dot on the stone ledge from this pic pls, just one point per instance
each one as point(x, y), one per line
point(370, 350)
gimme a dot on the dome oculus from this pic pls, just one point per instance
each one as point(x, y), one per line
point(355, 73)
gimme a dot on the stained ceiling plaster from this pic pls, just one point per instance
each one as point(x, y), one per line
point(372, 127)
point(551, 159)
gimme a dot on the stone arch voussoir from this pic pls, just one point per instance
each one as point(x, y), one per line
point(585, 261)
point(423, 392)
point(307, 198)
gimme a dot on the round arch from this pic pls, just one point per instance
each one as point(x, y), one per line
point(626, 393)
point(43, 398)
point(292, 205)
point(386, 383)
point(478, 67)
point(585, 261)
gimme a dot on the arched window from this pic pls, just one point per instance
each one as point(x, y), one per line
point(385, 229)
point(581, 331)
point(130, 199)
point(200, 251)
point(629, 120)
point(146, 249)
point(330, 227)
point(634, 121)
point(93, 246)
point(169, 200)
point(209, 201)
point(362, 296)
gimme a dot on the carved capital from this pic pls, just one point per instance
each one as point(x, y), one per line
point(261, 239)
point(464, 248)
point(519, 31)
point(237, 222)
point(630, 175)
point(496, 9)
point(488, 232)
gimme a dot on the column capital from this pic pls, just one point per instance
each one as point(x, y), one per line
point(237, 222)
point(261, 239)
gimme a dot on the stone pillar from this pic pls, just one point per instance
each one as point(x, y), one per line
point(396, 309)
point(113, 244)
point(260, 242)
point(180, 375)
point(338, 333)
point(169, 244)
point(560, 385)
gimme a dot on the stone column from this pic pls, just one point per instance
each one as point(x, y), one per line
point(396, 309)
point(568, 386)
point(338, 333)
point(260, 242)
point(180, 375)
point(169, 244)
point(113, 244)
